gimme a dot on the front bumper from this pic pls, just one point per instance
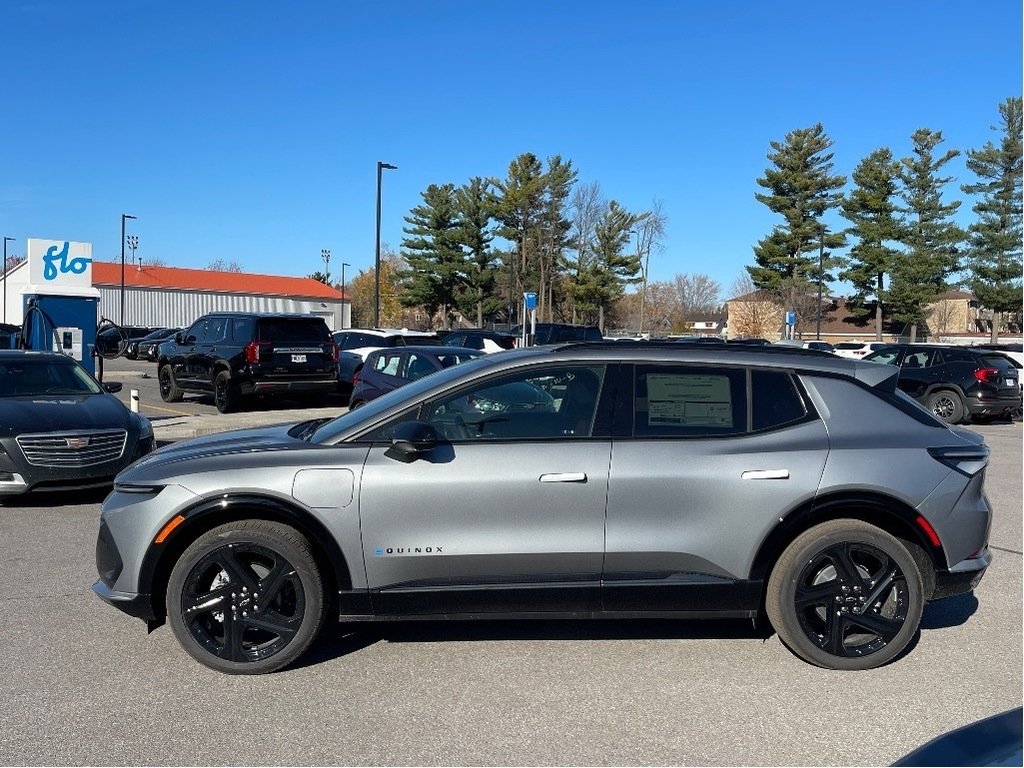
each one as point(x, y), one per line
point(138, 605)
point(962, 577)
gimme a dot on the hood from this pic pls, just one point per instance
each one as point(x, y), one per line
point(170, 459)
point(61, 413)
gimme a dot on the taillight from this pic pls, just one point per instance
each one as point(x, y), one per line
point(987, 375)
point(968, 460)
point(357, 377)
point(253, 350)
point(331, 350)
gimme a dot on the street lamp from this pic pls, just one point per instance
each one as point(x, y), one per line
point(124, 216)
point(376, 262)
point(133, 243)
point(821, 278)
point(6, 240)
point(343, 265)
point(325, 254)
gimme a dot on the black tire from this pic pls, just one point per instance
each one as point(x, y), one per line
point(355, 404)
point(219, 611)
point(845, 595)
point(945, 404)
point(225, 393)
point(170, 392)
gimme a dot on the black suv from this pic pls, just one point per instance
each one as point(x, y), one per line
point(557, 333)
point(955, 383)
point(232, 354)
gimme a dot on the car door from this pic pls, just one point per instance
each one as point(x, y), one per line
point(507, 512)
point(204, 352)
point(180, 353)
point(699, 478)
point(917, 371)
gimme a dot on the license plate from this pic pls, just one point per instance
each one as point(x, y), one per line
point(298, 358)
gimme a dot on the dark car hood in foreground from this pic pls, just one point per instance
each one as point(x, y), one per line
point(61, 413)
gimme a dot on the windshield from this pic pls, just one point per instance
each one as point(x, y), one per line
point(31, 378)
point(367, 413)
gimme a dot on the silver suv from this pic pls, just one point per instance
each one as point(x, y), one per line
point(601, 480)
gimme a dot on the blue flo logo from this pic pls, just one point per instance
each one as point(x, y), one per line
point(75, 266)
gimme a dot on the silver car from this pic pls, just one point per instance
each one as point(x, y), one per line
point(586, 480)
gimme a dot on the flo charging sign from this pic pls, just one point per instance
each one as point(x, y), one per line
point(59, 264)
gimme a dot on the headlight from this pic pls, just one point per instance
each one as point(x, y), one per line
point(145, 428)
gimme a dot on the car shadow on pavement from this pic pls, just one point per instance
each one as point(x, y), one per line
point(949, 612)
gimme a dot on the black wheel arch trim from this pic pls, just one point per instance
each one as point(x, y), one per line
point(207, 514)
point(946, 386)
point(885, 512)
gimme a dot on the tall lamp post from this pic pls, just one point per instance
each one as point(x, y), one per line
point(133, 243)
point(343, 265)
point(6, 240)
point(325, 254)
point(821, 278)
point(124, 216)
point(376, 262)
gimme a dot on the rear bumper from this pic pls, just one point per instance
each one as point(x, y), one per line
point(962, 577)
point(992, 405)
point(264, 387)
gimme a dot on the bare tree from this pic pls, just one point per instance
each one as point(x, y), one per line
point(587, 206)
point(756, 313)
point(223, 265)
point(696, 294)
point(650, 231)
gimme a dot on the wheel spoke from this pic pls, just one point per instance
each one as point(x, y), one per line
point(879, 625)
point(834, 636)
point(881, 587)
point(844, 565)
point(269, 623)
point(234, 630)
point(271, 584)
point(818, 594)
point(239, 572)
point(208, 601)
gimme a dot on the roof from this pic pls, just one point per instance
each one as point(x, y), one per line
point(108, 274)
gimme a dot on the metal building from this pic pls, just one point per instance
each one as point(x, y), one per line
point(173, 297)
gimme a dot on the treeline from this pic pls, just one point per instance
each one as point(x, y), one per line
point(472, 250)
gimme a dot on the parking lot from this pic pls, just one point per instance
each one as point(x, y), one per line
point(84, 684)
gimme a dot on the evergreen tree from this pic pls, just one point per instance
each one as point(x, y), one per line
point(931, 237)
point(995, 237)
point(554, 230)
point(436, 261)
point(518, 206)
point(801, 188)
point(871, 207)
point(473, 202)
point(603, 279)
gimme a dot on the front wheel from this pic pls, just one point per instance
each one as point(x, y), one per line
point(170, 392)
point(246, 597)
point(845, 595)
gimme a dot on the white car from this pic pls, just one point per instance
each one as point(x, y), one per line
point(857, 349)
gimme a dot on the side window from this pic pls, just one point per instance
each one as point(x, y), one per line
point(918, 358)
point(886, 357)
point(241, 329)
point(214, 330)
point(955, 356)
point(417, 366)
point(550, 403)
point(775, 400)
point(679, 401)
point(388, 364)
point(195, 332)
point(455, 341)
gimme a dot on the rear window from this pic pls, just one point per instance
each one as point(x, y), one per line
point(848, 345)
point(288, 329)
point(998, 361)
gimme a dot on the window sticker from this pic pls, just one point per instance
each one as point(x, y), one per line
point(688, 401)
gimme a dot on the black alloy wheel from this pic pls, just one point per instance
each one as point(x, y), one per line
point(246, 598)
point(170, 392)
point(846, 595)
point(225, 394)
point(946, 405)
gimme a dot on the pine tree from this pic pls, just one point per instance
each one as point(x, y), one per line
point(931, 236)
point(801, 188)
point(871, 207)
point(995, 237)
point(554, 230)
point(602, 281)
point(474, 234)
point(518, 206)
point(436, 262)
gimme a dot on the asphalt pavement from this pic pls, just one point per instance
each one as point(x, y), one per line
point(85, 684)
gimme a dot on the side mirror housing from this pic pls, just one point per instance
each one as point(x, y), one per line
point(411, 440)
point(112, 386)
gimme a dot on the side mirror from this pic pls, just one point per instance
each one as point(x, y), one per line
point(112, 386)
point(179, 338)
point(411, 440)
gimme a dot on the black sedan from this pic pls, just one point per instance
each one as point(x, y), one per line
point(147, 348)
point(59, 428)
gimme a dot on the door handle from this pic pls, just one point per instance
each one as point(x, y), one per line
point(765, 474)
point(564, 477)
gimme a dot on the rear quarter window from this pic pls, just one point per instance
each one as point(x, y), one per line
point(775, 400)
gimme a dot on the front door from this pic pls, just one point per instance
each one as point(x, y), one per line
point(506, 513)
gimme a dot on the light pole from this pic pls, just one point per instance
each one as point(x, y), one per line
point(6, 240)
point(325, 254)
point(133, 243)
point(343, 297)
point(376, 262)
point(821, 276)
point(124, 216)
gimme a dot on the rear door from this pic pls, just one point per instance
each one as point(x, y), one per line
point(701, 476)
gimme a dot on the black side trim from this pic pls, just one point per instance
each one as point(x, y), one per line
point(948, 584)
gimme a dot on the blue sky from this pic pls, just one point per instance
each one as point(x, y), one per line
point(251, 130)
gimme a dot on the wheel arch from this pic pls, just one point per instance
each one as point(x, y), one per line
point(210, 513)
point(885, 512)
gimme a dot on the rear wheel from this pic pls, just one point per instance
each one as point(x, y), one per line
point(225, 393)
point(246, 597)
point(845, 595)
point(170, 392)
point(947, 406)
